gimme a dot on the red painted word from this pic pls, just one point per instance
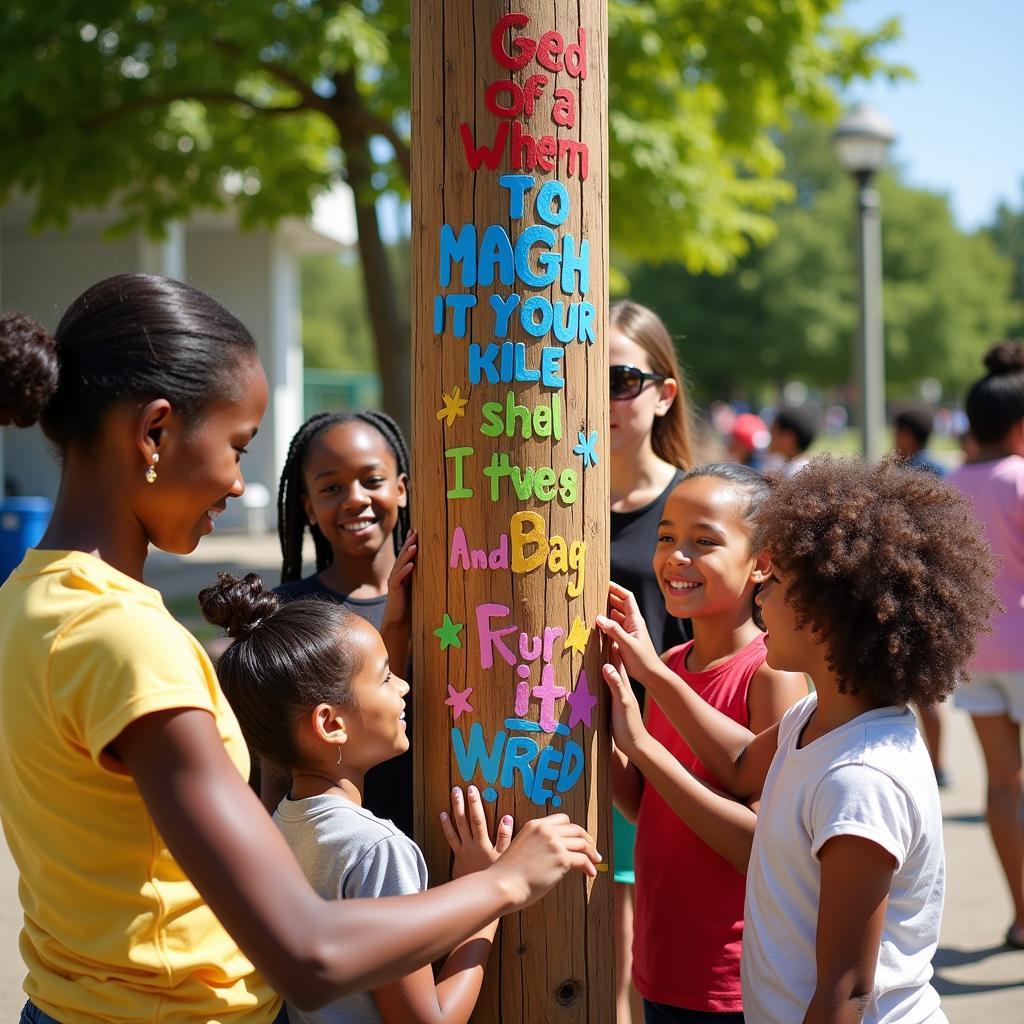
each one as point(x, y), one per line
point(550, 51)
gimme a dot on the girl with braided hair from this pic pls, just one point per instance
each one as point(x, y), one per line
point(346, 478)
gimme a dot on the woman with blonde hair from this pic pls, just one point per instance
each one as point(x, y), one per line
point(650, 446)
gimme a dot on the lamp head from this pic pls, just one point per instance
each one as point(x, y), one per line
point(861, 140)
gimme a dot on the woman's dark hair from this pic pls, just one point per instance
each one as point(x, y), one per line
point(756, 489)
point(291, 517)
point(996, 401)
point(128, 338)
point(286, 659)
point(886, 566)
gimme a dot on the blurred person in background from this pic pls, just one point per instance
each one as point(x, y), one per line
point(994, 697)
point(792, 432)
point(911, 428)
point(748, 440)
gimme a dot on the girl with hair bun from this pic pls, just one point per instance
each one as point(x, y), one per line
point(346, 480)
point(994, 480)
point(315, 696)
point(153, 885)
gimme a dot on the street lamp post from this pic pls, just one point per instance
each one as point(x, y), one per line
point(860, 141)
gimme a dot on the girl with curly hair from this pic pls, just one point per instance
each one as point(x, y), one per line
point(686, 951)
point(880, 586)
point(994, 481)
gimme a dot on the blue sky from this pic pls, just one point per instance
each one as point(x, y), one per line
point(961, 119)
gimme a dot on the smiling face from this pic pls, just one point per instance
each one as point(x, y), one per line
point(703, 560)
point(199, 467)
point(375, 715)
point(631, 420)
point(353, 489)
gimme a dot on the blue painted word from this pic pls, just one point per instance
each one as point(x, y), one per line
point(493, 254)
point(538, 316)
point(541, 774)
point(506, 362)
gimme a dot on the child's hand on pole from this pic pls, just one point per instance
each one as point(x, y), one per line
point(397, 607)
point(625, 627)
point(396, 623)
point(628, 729)
point(540, 856)
point(466, 832)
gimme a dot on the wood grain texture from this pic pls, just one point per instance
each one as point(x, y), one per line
point(553, 962)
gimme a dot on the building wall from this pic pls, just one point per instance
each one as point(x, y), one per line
point(40, 276)
point(255, 275)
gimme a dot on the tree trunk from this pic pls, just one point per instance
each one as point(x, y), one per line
point(391, 335)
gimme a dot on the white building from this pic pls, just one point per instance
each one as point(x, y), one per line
point(254, 274)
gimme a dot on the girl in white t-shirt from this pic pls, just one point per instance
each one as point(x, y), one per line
point(880, 588)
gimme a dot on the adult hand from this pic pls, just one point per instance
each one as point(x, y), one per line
point(540, 856)
point(625, 626)
point(466, 832)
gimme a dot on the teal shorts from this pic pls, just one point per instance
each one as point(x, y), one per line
point(623, 838)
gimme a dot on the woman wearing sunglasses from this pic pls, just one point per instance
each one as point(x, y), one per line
point(650, 447)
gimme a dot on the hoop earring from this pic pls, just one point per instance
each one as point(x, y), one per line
point(151, 472)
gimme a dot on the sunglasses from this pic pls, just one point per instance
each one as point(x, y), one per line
point(626, 382)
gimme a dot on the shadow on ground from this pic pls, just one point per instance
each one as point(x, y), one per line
point(948, 957)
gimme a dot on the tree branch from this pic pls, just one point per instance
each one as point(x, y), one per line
point(199, 95)
point(278, 71)
point(352, 113)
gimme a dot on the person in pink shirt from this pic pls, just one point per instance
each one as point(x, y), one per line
point(994, 480)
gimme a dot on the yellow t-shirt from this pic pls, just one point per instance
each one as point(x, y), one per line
point(114, 931)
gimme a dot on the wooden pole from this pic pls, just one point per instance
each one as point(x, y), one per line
point(510, 472)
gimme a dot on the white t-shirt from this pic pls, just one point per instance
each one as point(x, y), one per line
point(347, 853)
point(870, 778)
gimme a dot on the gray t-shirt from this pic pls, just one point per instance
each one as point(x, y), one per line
point(346, 853)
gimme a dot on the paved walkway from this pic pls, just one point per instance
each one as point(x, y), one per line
point(981, 981)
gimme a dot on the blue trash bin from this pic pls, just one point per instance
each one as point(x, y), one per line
point(22, 522)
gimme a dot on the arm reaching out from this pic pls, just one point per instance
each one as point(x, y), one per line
point(726, 825)
point(311, 950)
point(732, 753)
point(417, 998)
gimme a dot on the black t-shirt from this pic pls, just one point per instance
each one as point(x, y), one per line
point(388, 789)
point(634, 539)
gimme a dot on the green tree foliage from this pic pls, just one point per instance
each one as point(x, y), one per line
point(789, 311)
point(166, 106)
point(1007, 232)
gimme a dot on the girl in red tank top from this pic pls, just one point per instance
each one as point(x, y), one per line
point(689, 896)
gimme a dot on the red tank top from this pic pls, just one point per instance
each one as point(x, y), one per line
point(689, 900)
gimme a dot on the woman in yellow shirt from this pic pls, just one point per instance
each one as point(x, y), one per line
point(154, 885)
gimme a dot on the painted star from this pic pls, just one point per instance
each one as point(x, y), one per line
point(448, 633)
point(578, 636)
point(587, 448)
point(458, 700)
point(454, 406)
point(581, 702)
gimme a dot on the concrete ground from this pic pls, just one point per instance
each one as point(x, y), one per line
point(978, 978)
